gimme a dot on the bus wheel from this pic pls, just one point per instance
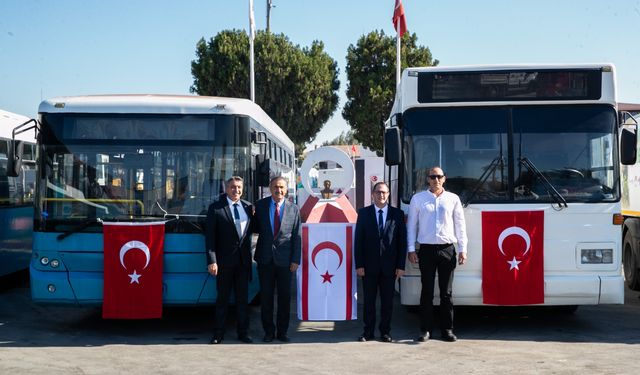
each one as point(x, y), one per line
point(630, 263)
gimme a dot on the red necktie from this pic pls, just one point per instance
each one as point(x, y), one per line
point(276, 221)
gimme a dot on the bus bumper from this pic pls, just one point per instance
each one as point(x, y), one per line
point(86, 288)
point(558, 290)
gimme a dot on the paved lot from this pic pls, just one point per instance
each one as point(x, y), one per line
point(75, 340)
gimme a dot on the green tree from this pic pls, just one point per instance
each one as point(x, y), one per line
point(371, 70)
point(297, 87)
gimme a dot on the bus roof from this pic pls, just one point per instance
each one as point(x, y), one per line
point(164, 104)
point(9, 120)
point(456, 68)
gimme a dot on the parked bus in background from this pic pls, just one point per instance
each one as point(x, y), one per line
point(631, 207)
point(137, 158)
point(525, 138)
point(16, 199)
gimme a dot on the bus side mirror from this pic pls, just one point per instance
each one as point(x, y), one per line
point(628, 145)
point(392, 148)
point(14, 158)
point(263, 170)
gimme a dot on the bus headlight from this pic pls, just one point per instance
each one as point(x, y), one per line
point(44, 261)
point(51, 288)
point(596, 256)
point(54, 263)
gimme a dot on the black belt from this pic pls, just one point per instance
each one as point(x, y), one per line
point(435, 246)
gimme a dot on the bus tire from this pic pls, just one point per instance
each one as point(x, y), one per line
point(630, 262)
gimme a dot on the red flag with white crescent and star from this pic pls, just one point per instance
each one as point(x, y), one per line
point(133, 270)
point(326, 277)
point(513, 258)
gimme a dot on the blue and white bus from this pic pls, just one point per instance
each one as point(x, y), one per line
point(16, 198)
point(543, 138)
point(134, 158)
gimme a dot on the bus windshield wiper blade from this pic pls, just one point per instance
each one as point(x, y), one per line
point(483, 178)
point(86, 224)
point(557, 197)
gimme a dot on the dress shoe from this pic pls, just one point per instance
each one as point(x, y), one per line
point(449, 336)
point(424, 336)
point(216, 340)
point(245, 339)
point(386, 338)
point(283, 338)
point(364, 337)
point(268, 337)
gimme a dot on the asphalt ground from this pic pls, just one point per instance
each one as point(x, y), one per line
point(45, 339)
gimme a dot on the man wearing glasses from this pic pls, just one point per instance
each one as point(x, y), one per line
point(436, 223)
point(380, 253)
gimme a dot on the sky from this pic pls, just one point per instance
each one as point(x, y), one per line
point(51, 48)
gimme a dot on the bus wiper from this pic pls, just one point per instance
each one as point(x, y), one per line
point(551, 190)
point(499, 160)
point(86, 224)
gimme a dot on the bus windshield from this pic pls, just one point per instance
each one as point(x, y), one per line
point(137, 167)
point(487, 152)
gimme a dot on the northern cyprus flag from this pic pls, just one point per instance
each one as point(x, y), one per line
point(327, 288)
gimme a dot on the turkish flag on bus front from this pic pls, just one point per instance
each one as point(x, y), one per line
point(133, 270)
point(513, 258)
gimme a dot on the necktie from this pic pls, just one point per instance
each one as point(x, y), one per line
point(276, 221)
point(236, 215)
point(380, 223)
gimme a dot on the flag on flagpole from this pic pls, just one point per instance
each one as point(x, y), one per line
point(327, 286)
point(399, 20)
point(400, 24)
point(513, 258)
point(133, 270)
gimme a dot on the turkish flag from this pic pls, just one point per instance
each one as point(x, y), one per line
point(133, 270)
point(399, 21)
point(326, 277)
point(513, 258)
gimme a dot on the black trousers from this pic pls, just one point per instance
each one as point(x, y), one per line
point(371, 284)
point(275, 280)
point(232, 279)
point(440, 259)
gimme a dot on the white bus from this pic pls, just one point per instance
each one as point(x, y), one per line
point(16, 197)
point(519, 138)
point(135, 158)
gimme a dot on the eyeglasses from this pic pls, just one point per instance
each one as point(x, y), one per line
point(438, 176)
point(380, 192)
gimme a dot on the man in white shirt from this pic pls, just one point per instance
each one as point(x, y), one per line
point(436, 222)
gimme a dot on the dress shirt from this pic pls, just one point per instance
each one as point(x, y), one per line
point(244, 219)
point(272, 211)
point(436, 220)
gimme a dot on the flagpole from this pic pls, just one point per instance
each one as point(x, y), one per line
point(398, 62)
point(252, 88)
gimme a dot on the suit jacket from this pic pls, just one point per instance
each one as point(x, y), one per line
point(286, 247)
point(380, 255)
point(221, 237)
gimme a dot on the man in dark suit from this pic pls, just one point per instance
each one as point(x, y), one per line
point(380, 251)
point(228, 241)
point(277, 223)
